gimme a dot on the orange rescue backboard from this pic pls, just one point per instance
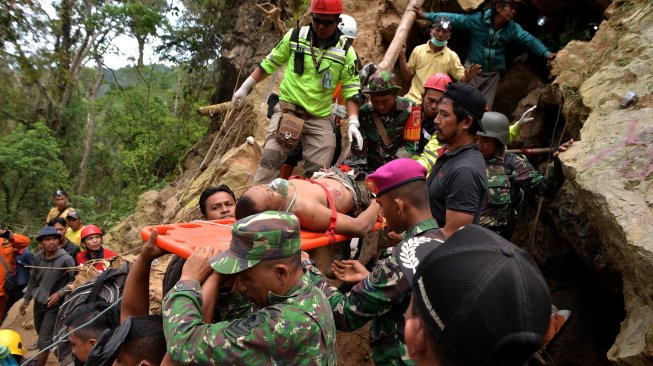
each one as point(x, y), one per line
point(181, 239)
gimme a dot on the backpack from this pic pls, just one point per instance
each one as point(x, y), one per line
point(106, 287)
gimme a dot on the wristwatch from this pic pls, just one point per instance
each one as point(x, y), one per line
point(188, 285)
point(307, 262)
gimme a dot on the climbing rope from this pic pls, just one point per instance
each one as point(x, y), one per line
point(546, 173)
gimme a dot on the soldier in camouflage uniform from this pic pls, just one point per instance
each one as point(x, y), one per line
point(392, 111)
point(508, 174)
point(383, 295)
point(292, 322)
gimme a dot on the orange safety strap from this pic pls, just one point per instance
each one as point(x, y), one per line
point(331, 231)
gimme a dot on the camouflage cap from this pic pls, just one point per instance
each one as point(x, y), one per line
point(265, 236)
point(383, 81)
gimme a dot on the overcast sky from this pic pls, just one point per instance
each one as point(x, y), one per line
point(125, 48)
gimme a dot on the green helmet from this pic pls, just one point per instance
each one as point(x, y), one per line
point(497, 126)
point(383, 81)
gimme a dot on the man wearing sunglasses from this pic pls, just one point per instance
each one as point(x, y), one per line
point(492, 30)
point(317, 58)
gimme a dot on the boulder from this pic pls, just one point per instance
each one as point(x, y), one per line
point(610, 169)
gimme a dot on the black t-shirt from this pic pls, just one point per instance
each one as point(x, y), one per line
point(458, 182)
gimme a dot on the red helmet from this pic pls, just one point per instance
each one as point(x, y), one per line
point(89, 230)
point(437, 81)
point(326, 6)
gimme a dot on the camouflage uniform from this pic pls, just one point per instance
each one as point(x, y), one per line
point(382, 297)
point(507, 172)
point(374, 150)
point(296, 328)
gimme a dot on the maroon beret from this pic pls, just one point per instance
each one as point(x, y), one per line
point(394, 174)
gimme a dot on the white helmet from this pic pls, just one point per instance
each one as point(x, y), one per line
point(348, 26)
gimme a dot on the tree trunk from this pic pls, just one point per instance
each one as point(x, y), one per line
point(141, 50)
point(399, 39)
point(90, 128)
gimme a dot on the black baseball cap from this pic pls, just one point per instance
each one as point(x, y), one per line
point(74, 215)
point(469, 98)
point(59, 192)
point(482, 296)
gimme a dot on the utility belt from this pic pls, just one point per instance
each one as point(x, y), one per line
point(291, 124)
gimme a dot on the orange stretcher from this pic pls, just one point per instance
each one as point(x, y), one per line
point(181, 239)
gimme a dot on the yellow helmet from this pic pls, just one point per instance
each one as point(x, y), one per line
point(12, 340)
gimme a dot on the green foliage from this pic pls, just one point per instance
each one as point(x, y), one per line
point(138, 139)
point(31, 170)
point(145, 116)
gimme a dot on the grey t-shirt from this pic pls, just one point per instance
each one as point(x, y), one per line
point(458, 182)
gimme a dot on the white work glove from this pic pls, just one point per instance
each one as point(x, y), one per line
point(239, 96)
point(339, 110)
point(526, 117)
point(354, 133)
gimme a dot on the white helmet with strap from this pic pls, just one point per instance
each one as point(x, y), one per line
point(348, 26)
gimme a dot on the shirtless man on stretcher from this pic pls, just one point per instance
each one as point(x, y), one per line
point(309, 199)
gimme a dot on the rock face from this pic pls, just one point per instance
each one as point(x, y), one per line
point(610, 170)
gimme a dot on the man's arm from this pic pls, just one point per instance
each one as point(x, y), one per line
point(316, 217)
point(456, 220)
point(31, 284)
point(273, 61)
point(465, 189)
point(18, 241)
point(136, 295)
point(405, 66)
point(375, 295)
point(430, 154)
point(531, 43)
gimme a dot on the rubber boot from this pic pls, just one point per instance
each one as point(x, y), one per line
point(286, 171)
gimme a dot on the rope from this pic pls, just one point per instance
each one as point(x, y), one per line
point(64, 338)
point(541, 199)
point(91, 261)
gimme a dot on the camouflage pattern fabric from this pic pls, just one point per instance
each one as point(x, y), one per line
point(374, 150)
point(296, 329)
point(383, 81)
point(382, 297)
point(268, 235)
point(504, 171)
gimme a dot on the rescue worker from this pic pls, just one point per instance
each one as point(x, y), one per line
point(215, 203)
point(75, 225)
point(383, 295)
point(286, 321)
point(509, 174)
point(61, 209)
point(9, 286)
point(92, 239)
point(492, 31)
point(48, 284)
point(318, 57)
point(390, 124)
point(458, 181)
point(349, 29)
point(434, 88)
point(432, 58)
